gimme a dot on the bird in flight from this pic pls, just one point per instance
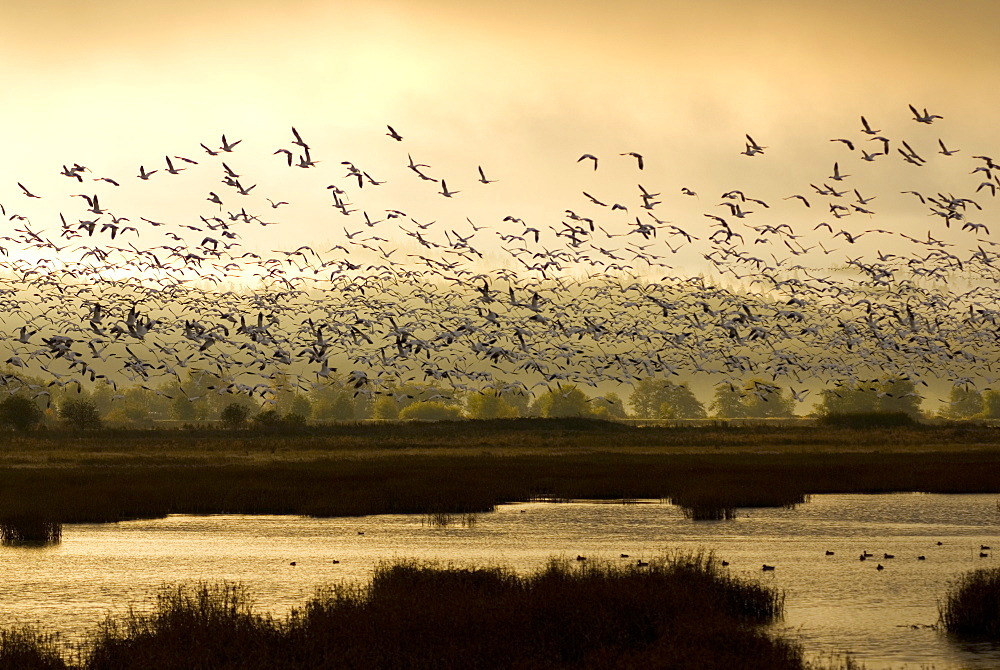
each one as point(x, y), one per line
point(482, 177)
point(444, 190)
point(925, 117)
point(588, 156)
point(393, 134)
point(945, 150)
point(27, 192)
point(752, 148)
point(228, 146)
point(867, 129)
point(638, 157)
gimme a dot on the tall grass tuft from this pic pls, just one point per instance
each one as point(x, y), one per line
point(679, 612)
point(27, 649)
point(972, 604)
point(29, 530)
point(204, 625)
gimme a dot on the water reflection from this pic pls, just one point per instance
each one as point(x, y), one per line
point(835, 602)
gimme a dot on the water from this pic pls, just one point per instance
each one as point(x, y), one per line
point(834, 603)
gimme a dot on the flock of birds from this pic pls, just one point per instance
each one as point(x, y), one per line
point(593, 296)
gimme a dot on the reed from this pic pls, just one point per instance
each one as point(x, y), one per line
point(972, 604)
point(470, 467)
point(679, 611)
point(27, 649)
point(29, 530)
point(203, 625)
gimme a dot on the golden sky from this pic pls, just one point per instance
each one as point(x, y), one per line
point(522, 88)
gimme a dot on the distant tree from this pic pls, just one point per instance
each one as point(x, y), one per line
point(431, 410)
point(386, 408)
point(963, 403)
point(181, 408)
point(566, 401)
point(341, 408)
point(609, 406)
point(899, 395)
point(848, 400)
point(134, 406)
point(103, 397)
point(757, 399)
point(293, 420)
point(891, 395)
point(335, 400)
point(768, 401)
point(488, 405)
point(80, 414)
point(299, 405)
point(991, 405)
point(518, 398)
point(20, 413)
point(657, 398)
point(235, 415)
point(728, 402)
point(269, 418)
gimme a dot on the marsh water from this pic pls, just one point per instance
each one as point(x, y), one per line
point(834, 603)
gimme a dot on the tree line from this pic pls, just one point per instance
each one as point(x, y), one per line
point(205, 398)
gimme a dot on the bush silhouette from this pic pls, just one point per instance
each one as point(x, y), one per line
point(19, 413)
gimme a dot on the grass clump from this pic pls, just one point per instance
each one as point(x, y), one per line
point(29, 530)
point(27, 649)
point(204, 625)
point(972, 604)
point(678, 612)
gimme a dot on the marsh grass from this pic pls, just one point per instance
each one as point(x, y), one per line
point(29, 531)
point(681, 611)
point(472, 484)
point(203, 625)
point(27, 649)
point(972, 605)
point(444, 520)
point(470, 467)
